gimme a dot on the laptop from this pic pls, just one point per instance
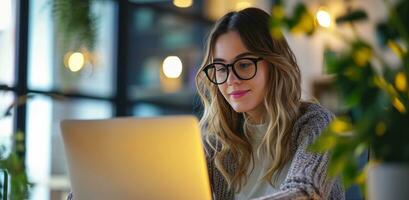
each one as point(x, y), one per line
point(136, 158)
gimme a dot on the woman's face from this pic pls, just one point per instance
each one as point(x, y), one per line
point(244, 96)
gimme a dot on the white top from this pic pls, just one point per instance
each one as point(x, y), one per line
point(256, 186)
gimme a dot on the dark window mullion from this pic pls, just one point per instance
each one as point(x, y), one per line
point(121, 65)
point(21, 66)
point(58, 94)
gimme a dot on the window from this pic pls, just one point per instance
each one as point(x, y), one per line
point(46, 162)
point(47, 68)
point(84, 94)
point(156, 36)
point(6, 122)
point(154, 31)
point(7, 41)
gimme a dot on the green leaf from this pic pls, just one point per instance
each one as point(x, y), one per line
point(75, 22)
point(337, 165)
point(353, 98)
point(330, 61)
point(325, 142)
point(350, 173)
point(13, 165)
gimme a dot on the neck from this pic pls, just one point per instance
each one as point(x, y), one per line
point(256, 117)
point(253, 120)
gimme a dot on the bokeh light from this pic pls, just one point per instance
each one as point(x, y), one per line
point(172, 67)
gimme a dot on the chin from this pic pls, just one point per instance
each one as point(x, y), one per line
point(240, 109)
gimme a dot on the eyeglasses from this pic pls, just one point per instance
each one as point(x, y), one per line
point(243, 68)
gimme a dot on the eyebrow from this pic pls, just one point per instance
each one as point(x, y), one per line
point(238, 56)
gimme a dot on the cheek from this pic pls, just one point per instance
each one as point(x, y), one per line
point(264, 74)
point(222, 89)
point(266, 71)
point(261, 82)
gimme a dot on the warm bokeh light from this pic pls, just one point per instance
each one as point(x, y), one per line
point(172, 67)
point(242, 5)
point(76, 61)
point(323, 18)
point(183, 3)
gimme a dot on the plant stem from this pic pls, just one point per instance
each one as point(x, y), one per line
point(6, 183)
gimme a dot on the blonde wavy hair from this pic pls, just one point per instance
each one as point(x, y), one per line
point(228, 128)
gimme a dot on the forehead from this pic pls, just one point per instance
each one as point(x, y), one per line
point(228, 46)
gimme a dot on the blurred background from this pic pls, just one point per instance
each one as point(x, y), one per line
point(142, 63)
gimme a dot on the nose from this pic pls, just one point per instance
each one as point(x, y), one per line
point(232, 78)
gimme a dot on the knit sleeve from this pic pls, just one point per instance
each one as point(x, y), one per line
point(210, 165)
point(218, 184)
point(307, 175)
point(70, 196)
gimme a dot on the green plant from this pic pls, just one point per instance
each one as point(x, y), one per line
point(76, 34)
point(13, 169)
point(14, 182)
point(75, 24)
point(375, 95)
point(12, 163)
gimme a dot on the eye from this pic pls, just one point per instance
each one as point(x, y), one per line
point(244, 64)
point(220, 69)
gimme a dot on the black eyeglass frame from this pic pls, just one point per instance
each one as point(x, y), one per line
point(254, 60)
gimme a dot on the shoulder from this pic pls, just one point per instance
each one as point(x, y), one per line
point(312, 119)
point(313, 113)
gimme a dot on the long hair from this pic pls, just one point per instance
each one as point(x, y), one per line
point(230, 129)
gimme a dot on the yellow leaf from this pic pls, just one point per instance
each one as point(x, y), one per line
point(340, 126)
point(380, 128)
point(362, 56)
point(400, 82)
point(381, 83)
point(276, 33)
point(360, 179)
point(306, 24)
point(297, 29)
point(398, 105)
point(396, 48)
point(278, 12)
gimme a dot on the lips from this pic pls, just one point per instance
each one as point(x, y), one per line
point(238, 93)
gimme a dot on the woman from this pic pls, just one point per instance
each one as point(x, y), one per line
point(256, 128)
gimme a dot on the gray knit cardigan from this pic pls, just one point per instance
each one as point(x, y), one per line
point(307, 177)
